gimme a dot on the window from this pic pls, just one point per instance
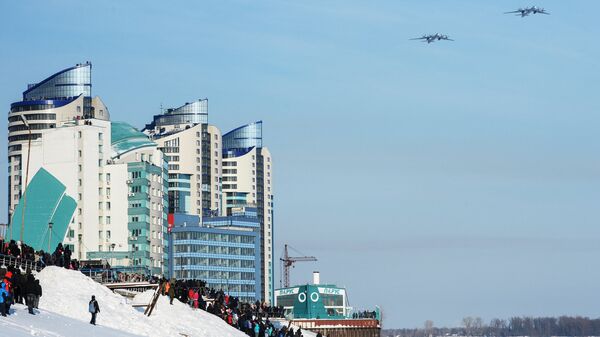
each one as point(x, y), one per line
point(108, 220)
point(108, 177)
point(78, 108)
point(100, 205)
point(108, 234)
point(108, 205)
point(79, 166)
point(79, 134)
point(100, 148)
point(108, 191)
point(79, 211)
point(100, 135)
point(99, 248)
point(79, 152)
point(99, 162)
point(99, 234)
point(100, 191)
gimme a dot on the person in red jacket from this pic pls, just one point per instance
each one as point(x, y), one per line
point(196, 297)
point(191, 297)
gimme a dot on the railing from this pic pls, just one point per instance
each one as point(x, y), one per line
point(18, 262)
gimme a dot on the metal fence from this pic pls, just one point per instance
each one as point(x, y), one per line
point(18, 262)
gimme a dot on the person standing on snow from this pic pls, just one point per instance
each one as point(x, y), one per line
point(94, 309)
point(3, 298)
point(29, 292)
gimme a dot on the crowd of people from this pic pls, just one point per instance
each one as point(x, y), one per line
point(17, 287)
point(365, 314)
point(251, 318)
point(61, 256)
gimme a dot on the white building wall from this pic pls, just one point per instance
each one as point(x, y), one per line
point(216, 157)
point(247, 182)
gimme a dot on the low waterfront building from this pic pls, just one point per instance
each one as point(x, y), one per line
point(223, 251)
point(313, 301)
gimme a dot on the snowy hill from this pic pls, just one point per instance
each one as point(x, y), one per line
point(48, 324)
point(67, 293)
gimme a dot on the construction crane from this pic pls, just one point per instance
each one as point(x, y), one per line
point(288, 262)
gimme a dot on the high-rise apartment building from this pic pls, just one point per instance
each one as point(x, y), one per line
point(119, 178)
point(193, 150)
point(110, 178)
point(247, 182)
point(62, 97)
point(213, 175)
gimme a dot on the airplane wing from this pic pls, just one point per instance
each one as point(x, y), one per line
point(419, 38)
point(512, 12)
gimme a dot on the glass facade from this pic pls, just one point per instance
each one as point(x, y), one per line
point(223, 252)
point(241, 140)
point(67, 83)
point(187, 114)
point(179, 193)
point(47, 203)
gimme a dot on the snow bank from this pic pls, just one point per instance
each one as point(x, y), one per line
point(68, 292)
point(44, 323)
point(278, 323)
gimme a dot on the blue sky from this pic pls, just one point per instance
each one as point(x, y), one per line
point(436, 181)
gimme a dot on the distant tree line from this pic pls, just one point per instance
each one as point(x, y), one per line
point(515, 326)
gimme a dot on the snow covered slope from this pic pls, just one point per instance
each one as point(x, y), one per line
point(48, 324)
point(68, 292)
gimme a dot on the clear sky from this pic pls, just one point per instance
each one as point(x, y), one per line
point(436, 181)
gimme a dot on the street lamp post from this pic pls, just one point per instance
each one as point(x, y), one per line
point(49, 235)
point(26, 178)
point(112, 246)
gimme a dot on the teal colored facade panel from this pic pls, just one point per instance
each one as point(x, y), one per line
point(46, 203)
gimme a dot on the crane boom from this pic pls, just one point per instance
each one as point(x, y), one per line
point(288, 262)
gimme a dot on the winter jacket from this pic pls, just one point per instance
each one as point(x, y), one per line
point(93, 307)
point(3, 293)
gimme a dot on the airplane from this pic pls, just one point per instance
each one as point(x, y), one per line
point(432, 38)
point(523, 12)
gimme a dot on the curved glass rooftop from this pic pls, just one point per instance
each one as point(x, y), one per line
point(126, 138)
point(189, 113)
point(71, 82)
point(243, 139)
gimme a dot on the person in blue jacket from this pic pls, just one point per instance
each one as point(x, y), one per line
point(3, 299)
point(94, 309)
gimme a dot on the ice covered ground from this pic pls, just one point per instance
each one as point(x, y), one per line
point(48, 324)
point(67, 293)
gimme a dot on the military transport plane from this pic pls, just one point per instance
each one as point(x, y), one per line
point(432, 38)
point(523, 12)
